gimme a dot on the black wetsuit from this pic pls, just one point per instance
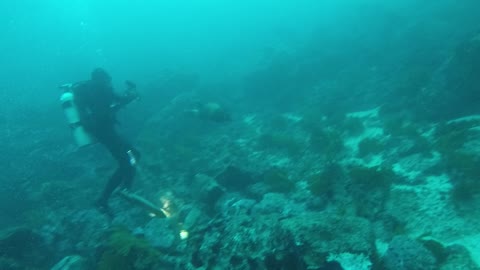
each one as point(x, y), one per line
point(97, 104)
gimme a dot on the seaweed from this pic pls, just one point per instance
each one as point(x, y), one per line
point(437, 249)
point(463, 166)
point(353, 126)
point(371, 178)
point(125, 251)
point(282, 142)
point(278, 181)
point(235, 178)
point(466, 170)
point(370, 146)
point(451, 137)
point(464, 191)
point(328, 143)
point(324, 183)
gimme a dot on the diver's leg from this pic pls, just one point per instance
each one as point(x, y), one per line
point(129, 169)
point(126, 157)
point(108, 137)
point(125, 173)
point(111, 185)
point(128, 175)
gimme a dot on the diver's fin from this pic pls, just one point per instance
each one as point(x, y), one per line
point(142, 202)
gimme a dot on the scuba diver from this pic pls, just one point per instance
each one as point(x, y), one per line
point(95, 104)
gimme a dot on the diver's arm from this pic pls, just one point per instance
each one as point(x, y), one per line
point(128, 96)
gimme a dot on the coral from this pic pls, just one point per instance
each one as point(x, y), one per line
point(407, 254)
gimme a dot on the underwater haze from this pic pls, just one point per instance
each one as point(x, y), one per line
point(140, 38)
point(41, 39)
point(327, 134)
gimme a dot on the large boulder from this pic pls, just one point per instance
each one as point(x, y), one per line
point(459, 94)
point(22, 248)
point(408, 254)
point(322, 234)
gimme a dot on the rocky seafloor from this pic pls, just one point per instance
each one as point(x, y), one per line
point(379, 195)
point(295, 188)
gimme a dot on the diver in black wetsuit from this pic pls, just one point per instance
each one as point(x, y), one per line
point(97, 105)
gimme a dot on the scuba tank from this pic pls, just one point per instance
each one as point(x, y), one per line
point(67, 100)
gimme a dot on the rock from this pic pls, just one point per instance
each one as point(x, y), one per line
point(407, 254)
point(234, 206)
point(235, 178)
point(458, 258)
point(207, 189)
point(159, 234)
point(73, 262)
point(88, 224)
point(276, 203)
point(244, 242)
point(193, 217)
point(321, 233)
point(350, 261)
point(459, 96)
point(24, 248)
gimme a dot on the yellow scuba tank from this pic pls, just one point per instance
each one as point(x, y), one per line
point(81, 136)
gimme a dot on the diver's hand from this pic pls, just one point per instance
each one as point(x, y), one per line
point(124, 99)
point(130, 85)
point(131, 92)
point(131, 95)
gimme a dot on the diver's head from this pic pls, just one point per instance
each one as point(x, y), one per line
point(100, 76)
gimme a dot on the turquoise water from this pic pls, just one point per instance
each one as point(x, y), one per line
point(275, 134)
